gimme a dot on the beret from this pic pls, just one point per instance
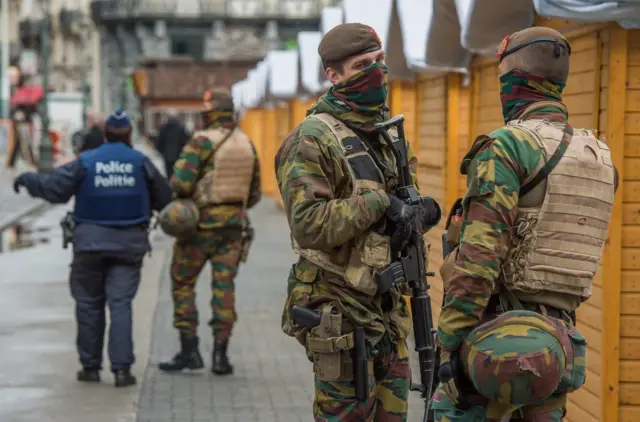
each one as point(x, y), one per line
point(347, 40)
point(118, 119)
point(520, 39)
point(216, 98)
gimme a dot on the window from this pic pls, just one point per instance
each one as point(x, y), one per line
point(187, 45)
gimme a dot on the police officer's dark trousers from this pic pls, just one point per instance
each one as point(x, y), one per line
point(100, 279)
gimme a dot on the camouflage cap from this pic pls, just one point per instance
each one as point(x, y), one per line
point(520, 39)
point(216, 98)
point(347, 40)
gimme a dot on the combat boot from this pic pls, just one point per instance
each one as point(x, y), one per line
point(123, 378)
point(221, 365)
point(89, 375)
point(188, 356)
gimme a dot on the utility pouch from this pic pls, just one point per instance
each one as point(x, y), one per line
point(453, 225)
point(329, 346)
point(247, 240)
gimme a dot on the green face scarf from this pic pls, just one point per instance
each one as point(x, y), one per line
point(365, 92)
point(519, 89)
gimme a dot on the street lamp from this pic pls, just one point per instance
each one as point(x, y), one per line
point(45, 158)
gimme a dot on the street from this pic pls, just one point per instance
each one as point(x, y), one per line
point(272, 379)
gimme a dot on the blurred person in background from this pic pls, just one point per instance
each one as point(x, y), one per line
point(172, 137)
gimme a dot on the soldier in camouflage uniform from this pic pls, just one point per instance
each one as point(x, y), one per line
point(218, 169)
point(336, 175)
point(534, 222)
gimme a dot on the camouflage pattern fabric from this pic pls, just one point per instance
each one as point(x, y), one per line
point(490, 210)
point(519, 89)
point(189, 257)
point(364, 93)
point(179, 218)
point(310, 175)
point(388, 396)
point(196, 159)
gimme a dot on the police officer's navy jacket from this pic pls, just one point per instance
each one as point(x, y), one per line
point(115, 189)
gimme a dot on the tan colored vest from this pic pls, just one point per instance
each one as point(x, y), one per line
point(230, 179)
point(556, 244)
point(370, 251)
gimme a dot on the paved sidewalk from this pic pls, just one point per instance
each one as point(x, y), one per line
point(13, 205)
point(37, 337)
point(272, 379)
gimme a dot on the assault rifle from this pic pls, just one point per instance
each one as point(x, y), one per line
point(409, 266)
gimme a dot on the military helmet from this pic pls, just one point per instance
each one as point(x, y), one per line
point(180, 218)
point(518, 358)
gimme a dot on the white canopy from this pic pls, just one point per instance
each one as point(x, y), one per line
point(331, 16)
point(482, 28)
point(309, 81)
point(262, 74)
point(283, 74)
point(238, 95)
point(249, 89)
point(626, 13)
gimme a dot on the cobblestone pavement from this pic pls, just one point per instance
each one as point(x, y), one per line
point(272, 379)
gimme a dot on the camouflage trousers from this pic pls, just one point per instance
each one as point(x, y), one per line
point(222, 250)
point(335, 401)
point(549, 410)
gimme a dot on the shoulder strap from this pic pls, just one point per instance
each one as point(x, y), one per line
point(551, 162)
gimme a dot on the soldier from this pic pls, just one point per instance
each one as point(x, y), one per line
point(534, 222)
point(115, 189)
point(218, 172)
point(336, 175)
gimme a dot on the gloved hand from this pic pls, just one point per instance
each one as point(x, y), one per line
point(430, 212)
point(448, 373)
point(400, 215)
point(17, 182)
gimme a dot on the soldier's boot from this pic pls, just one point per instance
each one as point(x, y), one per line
point(89, 375)
point(188, 356)
point(124, 378)
point(221, 365)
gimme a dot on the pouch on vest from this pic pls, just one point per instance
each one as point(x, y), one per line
point(372, 252)
point(329, 346)
point(575, 373)
point(453, 225)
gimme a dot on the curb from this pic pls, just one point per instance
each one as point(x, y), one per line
point(28, 211)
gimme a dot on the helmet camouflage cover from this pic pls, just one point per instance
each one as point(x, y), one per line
point(179, 218)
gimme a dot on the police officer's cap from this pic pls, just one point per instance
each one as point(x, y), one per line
point(118, 120)
point(348, 40)
point(537, 34)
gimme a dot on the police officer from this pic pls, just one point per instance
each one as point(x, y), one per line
point(115, 188)
point(218, 174)
point(534, 222)
point(336, 176)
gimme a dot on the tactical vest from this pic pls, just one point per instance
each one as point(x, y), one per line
point(556, 244)
point(355, 263)
point(229, 181)
point(114, 191)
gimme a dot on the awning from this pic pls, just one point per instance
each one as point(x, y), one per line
point(330, 17)
point(283, 74)
point(309, 82)
point(431, 34)
point(482, 29)
point(382, 16)
point(626, 13)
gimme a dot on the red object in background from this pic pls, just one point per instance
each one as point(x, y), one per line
point(27, 95)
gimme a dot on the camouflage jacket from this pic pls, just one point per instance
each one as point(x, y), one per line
point(311, 176)
point(495, 176)
point(196, 159)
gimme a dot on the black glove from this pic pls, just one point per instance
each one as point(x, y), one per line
point(430, 212)
point(400, 216)
point(449, 373)
point(17, 182)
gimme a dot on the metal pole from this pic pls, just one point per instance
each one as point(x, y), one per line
point(4, 64)
point(45, 162)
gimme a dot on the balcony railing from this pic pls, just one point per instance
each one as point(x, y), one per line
point(208, 9)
